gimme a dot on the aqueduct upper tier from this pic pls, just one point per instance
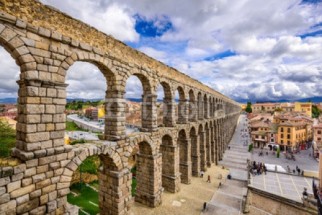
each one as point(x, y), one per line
point(45, 43)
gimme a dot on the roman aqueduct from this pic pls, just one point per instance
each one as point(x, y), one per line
point(44, 43)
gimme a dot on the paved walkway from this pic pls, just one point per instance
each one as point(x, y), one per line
point(236, 157)
point(288, 186)
point(228, 199)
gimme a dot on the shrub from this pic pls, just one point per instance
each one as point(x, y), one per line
point(250, 147)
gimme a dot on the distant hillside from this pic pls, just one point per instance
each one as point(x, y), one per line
point(8, 100)
point(315, 99)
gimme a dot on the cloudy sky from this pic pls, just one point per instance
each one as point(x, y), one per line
point(246, 49)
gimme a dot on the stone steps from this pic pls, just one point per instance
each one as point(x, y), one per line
point(235, 161)
point(242, 158)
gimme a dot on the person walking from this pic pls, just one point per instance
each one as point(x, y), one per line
point(208, 180)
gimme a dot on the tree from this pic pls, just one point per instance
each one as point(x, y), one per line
point(278, 109)
point(250, 147)
point(278, 152)
point(315, 111)
point(249, 107)
point(7, 138)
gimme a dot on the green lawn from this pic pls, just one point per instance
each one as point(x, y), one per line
point(71, 126)
point(86, 195)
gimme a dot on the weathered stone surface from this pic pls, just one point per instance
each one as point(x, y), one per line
point(13, 186)
point(28, 206)
point(22, 191)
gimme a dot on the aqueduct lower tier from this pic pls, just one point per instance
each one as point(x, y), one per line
point(45, 43)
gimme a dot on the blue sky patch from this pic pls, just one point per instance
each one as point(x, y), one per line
point(311, 1)
point(311, 34)
point(152, 28)
point(221, 55)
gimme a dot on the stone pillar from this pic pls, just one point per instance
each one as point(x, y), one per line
point(115, 191)
point(185, 161)
point(206, 109)
point(200, 109)
point(212, 144)
point(203, 161)
point(170, 168)
point(208, 148)
point(115, 115)
point(149, 113)
point(149, 185)
point(195, 156)
point(217, 143)
point(169, 118)
point(183, 111)
point(193, 111)
point(41, 119)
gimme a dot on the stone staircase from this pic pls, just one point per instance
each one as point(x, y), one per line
point(235, 159)
point(228, 198)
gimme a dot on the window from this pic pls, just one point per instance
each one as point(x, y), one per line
point(256, 136)
point(272, 135)
point(319, 139)
point(288, 130)
point(288, 142)
point(288, 136)
point(272, 140)
point(282, 135)
point(319, 131)
point(282, 129)
point(282, 142)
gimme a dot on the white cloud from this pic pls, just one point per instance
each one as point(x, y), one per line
point(113, 19)
point(9, 74)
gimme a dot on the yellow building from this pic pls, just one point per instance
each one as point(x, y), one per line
point(303, 107)
point(243, 106)
point(293, 132)
point(101, 111)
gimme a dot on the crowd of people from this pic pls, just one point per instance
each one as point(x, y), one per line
point(256, 168)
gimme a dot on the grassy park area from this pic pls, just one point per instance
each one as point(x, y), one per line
point(71, 126)
point(85, 197)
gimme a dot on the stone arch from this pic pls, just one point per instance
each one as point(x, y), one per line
point(145, 81)
point(109, 201)
point(200, 106)
point(202, 147)
point(184, 156)
point(205, 106)
point(213, 106)
point(141, 139)
point(148, 105)
point(210, 107)
point(208, 144)
point(195, 155)
point(170, 164)
point(168, 105)
point(182, 106)
point(192, 106)
point(114, 97)
point(27, 89)
point(148, 170)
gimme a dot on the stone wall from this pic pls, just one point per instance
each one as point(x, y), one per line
point(262, 203)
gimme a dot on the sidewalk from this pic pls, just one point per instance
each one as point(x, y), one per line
point(228, 199)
